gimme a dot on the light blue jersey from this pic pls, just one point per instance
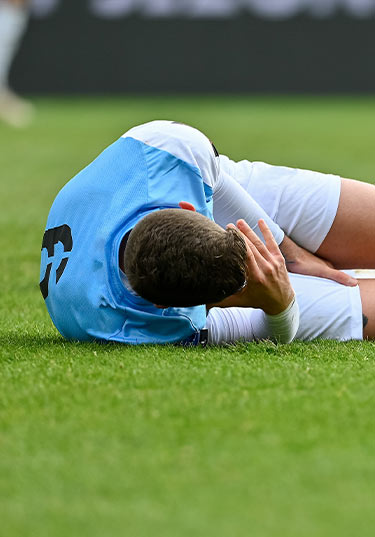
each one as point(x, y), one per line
point(80, 275)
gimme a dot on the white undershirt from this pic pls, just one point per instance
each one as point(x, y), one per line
point(231, 202)
point(228, 325)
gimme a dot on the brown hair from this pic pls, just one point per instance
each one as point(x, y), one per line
point(176, 257)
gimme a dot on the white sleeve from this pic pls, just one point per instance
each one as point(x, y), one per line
point(231, 202)
point(228, 325)
point(302, 202)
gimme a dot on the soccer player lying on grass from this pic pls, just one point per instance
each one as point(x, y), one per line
point(92, 231)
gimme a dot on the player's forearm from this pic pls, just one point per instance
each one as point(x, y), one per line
point(233, 301)
point(292, 252)
point(272, 306)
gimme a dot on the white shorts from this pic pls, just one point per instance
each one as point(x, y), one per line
point(328, 310)
point(303, 203)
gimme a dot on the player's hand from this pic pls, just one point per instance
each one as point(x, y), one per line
point(301, 261)
point(268, 286)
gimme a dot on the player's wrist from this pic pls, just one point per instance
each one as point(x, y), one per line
point(283, 326)
point(290, 250)
point(277, 307)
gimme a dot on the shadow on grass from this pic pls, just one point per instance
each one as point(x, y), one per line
point(40, 341)
point(23, 338)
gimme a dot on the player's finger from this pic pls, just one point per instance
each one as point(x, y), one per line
point(253, 256)
point(187, 205)
point(249, 246)
point(340, 277)
point(262, 258)
point(256, 260)
point(259, 265)
point(249, 233)
point(269, 238)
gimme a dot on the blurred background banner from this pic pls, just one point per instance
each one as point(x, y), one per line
point(198, 46)
point(214, 8)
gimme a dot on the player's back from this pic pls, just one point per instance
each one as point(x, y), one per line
point(80, 275)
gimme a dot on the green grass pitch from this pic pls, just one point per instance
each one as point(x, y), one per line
point(104, 440)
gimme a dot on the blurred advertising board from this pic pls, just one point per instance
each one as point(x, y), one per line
point(215, 8)
point(198, 46)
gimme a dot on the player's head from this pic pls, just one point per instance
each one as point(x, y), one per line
point(175, 257)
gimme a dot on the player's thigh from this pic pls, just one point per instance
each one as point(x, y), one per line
point(350, 243)
point(328, 310)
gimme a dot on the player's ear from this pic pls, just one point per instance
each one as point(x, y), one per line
point(186, 205)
